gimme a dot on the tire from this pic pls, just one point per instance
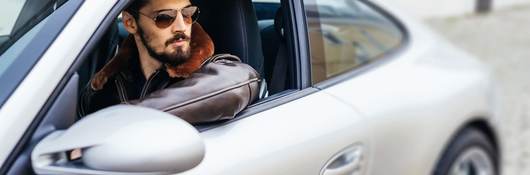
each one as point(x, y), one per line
point(470, 152)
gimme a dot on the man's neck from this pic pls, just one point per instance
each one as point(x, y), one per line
point(148, 64)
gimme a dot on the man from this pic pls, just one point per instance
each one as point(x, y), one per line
point(166, 63)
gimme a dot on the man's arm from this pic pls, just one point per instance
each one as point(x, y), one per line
point(221, 89)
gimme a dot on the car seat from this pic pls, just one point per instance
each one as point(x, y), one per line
point(275, 52)
point(233, 26)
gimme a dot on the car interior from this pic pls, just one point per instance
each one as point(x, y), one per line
point(252, 31)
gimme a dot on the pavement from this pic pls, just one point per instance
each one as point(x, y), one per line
point(501, 39)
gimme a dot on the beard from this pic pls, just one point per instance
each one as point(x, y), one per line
point(180, 55)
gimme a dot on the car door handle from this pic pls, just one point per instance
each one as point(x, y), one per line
point(347, 162)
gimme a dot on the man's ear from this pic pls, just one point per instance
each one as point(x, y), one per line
point(129, 22)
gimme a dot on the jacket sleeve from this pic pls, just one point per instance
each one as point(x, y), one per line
point(221, 89)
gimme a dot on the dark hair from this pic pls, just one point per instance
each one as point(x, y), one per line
point(135, 6)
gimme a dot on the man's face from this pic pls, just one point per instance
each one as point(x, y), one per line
point(171, 44)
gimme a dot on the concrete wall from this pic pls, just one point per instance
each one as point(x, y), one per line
point(445, 8)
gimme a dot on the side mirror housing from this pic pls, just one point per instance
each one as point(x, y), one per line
point(119, 140)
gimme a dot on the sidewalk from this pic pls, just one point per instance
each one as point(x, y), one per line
point(502, 40)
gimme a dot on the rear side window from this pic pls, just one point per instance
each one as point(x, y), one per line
point(266, 9)
point(346, 34)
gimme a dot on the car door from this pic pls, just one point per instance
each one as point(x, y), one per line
point(298, 131)
point(305, 133)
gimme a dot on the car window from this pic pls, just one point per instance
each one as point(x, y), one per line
point(266, 10)
point(346, 34)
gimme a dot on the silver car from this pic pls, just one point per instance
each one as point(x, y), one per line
point(348, 87)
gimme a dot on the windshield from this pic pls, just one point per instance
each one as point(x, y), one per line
point(20, 16)
point(10, 9)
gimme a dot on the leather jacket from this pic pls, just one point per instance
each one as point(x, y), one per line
point(221, 88)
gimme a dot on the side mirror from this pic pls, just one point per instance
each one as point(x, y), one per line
point(119, 140)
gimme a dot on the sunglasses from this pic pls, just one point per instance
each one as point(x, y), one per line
point(165, 18)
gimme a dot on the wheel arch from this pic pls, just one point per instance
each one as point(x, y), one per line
point(483, 125)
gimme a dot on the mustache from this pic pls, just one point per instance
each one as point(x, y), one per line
point(177, 37)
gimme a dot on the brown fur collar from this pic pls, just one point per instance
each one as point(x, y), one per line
point(201, 44)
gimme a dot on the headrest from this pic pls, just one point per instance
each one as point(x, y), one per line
point(233, 26)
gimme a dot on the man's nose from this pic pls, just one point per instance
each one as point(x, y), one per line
point(179, 25)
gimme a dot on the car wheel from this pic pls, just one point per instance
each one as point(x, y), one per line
point(470, 153)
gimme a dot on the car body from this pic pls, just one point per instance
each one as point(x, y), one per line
point(395, 114)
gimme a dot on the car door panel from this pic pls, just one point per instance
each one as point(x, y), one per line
point(298, 137)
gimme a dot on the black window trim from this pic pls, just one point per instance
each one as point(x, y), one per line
point(384, 58)
point(300, 43)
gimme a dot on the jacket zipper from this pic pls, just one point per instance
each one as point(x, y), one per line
point(147, 84)
point(121, 91)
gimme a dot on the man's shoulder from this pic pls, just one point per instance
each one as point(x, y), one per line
point(221, 58)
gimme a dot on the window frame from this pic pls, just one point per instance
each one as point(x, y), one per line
point(377, 61)
point(297, 47)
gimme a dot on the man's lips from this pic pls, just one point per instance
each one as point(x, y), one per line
point(178, 40)
point(178, 43)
